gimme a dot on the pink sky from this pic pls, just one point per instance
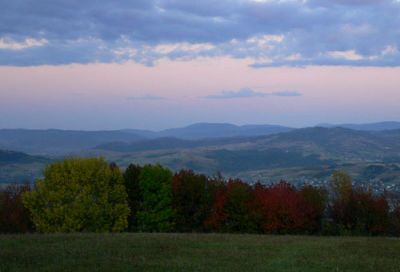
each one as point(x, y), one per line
point(111, 96)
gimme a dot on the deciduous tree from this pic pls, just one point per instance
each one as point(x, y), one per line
point(155, 212)
point(14, 217)
point(191, 200)
point(79, 195)
point(131, 180)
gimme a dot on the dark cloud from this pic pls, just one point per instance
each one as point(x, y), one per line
point(273, 33)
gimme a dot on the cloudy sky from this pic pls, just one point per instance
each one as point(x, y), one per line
point(165, 63)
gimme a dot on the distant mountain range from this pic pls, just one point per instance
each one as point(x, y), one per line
point(305, 146)
point(20, 167)
point(63, 142)
point(59, 142)
point(170, 143)
point(367, 127)
point(220, 130)
point(12, 157)
point(246, 151)
point(308, 154)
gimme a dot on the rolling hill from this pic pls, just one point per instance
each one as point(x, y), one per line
point(221, 130)
point(63, 142)
point(171, 143)
point(379, 126)
point(330, 143)
point(310, 153)
point(12, 157)
point(298, 154)
point(58, 142)
point(20, 167)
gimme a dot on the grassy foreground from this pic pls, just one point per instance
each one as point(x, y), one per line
point(196, 252)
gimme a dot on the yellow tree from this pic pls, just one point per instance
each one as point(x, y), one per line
point(79, 195)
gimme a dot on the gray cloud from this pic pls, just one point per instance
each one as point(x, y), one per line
point(249, 93)
point(242, 93)
point(273, 33)
point(286, 93)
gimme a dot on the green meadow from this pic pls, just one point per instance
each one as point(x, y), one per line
point(196, 252)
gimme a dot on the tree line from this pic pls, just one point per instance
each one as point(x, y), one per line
point(91, 195)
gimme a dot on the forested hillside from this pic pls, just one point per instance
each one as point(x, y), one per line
point(12, 157)
point(300, 155)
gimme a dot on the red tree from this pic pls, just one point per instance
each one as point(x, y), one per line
point(14, 217)
point(231, 208)
point(285, 210)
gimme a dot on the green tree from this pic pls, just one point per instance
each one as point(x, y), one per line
point(155, 211)
point(342, 206)
point(131, 180)
point(237, 208)
point(370, 212)
point(79, 195)
point(314, 206)
point(341, 186)
point(191, 200)
point(232, 208)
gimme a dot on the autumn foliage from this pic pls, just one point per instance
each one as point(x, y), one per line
point(231, 208)
point(284, 209)
point(192, 197)
point(14, 217)
point(83, 195)
point(79, 195)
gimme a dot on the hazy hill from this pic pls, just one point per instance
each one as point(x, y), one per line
point(221, 130)
point(309, 147)
point(171, 143)
point(12, 157)
point(367, 127)
point(58, 141)
point(20, 167)
point(309, 152)
point(339, 143)
point(303, 153)
point(211, 130)
point(331, 143)
point(61, 142)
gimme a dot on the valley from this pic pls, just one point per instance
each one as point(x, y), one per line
point(305, 155)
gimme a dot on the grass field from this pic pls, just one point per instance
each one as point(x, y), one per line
point(196, 252)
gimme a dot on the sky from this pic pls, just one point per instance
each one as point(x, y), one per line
point(156, 64)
